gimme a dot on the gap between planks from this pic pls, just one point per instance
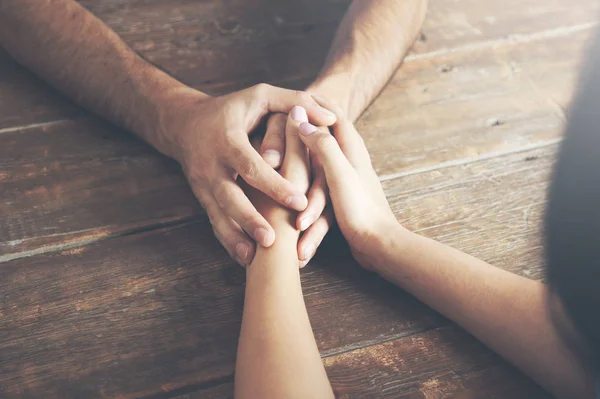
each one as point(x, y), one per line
point(503, 41)
point(181, 222)
point(77, 243)
point(512, 39)
point(41, 125)
point(468, 160)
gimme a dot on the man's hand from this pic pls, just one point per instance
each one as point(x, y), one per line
point(209, 137)
point(77, 53)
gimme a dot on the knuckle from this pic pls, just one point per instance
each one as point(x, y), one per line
point(196, 176)
point(324, 142)
point(249, 171)
point(303, 97)
point(221, 193)
point(230, 137)
point(261, 88)
point(249, 220)
point(277, 192)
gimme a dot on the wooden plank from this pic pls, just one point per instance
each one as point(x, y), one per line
point(442, 363)
point(78, 168)
point(274, 38)
point(282, 42)
point(83, 180)
point(154, 312)
point(25, 100)
point(148, 313)
point(468, 104)
point(477, 202)
point(224, 391)
point(435, 364)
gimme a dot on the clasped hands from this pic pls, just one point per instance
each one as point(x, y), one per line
point(210, 137)
point(340, 157)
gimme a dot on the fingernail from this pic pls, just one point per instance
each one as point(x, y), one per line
point(272, 157)
point(297, 202)
point(299, 114)
point(328, 113)
point(338, 111)
point(304, 263)
point(264, 237)
point(305, 222)
point(243, 250)
point(307, 129)
point(309, 251)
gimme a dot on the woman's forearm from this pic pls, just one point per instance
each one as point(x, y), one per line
point(507, 312)
point(277, 354)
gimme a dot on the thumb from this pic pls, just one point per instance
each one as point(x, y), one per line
point(339, 173)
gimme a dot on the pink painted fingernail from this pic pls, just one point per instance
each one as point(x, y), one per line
point(299, 114)
point(243, 250)
point(297, 202)
point(304, 263)
point(264, 237)
point(306, 129)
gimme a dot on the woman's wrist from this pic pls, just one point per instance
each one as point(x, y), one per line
point(282, 221)
point(391, 244)
point(283, 254)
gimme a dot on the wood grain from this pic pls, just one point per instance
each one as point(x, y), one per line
point(155, 312)
point(95, 181)
point(282, 42)
point(441, 363)
point(224, 391)
point(467, 104)
point(112, 283)
point(444, 363)
point(281, 39)
point(83, 180)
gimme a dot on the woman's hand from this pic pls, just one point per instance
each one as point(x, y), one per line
point(316, 220)
point(278, 356)
point(359, 203)
point(296, 170)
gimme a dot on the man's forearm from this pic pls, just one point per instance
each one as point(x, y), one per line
point(505, 311)
point(77, 53)
point(370, 43)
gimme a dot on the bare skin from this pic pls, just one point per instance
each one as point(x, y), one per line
point(369, 45)
point(277, 353)
point(77, 53)
point(532, 332)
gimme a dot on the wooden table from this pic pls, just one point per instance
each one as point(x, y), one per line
point(112, 283)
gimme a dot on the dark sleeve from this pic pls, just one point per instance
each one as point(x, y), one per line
point(572, 223)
